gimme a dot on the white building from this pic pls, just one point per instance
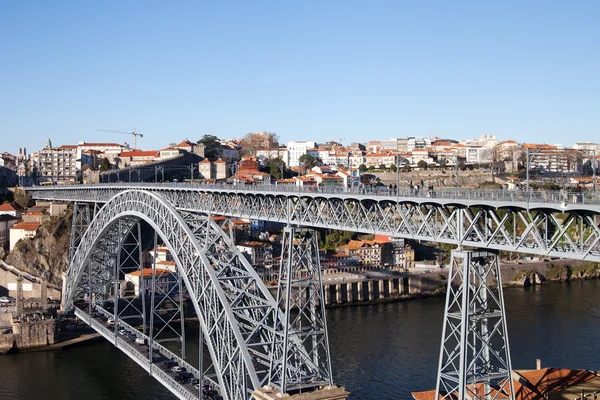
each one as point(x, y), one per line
point(297, 150)
point(58, 164)
point(268, 154)
point(104, 150)
point(413, 143)
point(22, 230)
point(479, 155)
point(7, 209)
point(164, 279)
point(6, 222)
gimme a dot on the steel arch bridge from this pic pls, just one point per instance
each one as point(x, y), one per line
point(543, 223)
point(251, 341)
point(241, 324)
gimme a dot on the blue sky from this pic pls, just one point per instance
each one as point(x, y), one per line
point(359, 70)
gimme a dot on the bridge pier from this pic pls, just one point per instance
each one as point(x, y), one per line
point(474, 357)
point(349, 293)
point(303, 330)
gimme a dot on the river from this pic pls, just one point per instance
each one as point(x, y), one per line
point(382, 351)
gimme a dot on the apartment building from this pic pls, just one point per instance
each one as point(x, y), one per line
point(297, 150)
point(58, 164)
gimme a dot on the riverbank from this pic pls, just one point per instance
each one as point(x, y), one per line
point(358, 289)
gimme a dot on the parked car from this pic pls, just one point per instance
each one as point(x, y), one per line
point(4, 299)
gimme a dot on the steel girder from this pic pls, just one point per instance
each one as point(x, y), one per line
point(549, 229)
point(474, 358)
point(237, 313)
point(300, 291)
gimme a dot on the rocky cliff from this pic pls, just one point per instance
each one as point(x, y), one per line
point(46, 254)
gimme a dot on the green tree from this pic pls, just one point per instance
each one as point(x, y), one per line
point(422, 164)
point(336, 239)
point(307, 161)
point(105, 165)
point(443, 165)
point(212, 146)
point(362, 168)
point(276, 167)
point(393, 168)
point(382, 167)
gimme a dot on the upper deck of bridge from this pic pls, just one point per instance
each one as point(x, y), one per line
point(520, 199)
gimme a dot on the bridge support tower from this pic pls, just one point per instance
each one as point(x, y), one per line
point(474, 356)
point(304, 328)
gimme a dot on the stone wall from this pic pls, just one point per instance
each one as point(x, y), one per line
point(34, 334)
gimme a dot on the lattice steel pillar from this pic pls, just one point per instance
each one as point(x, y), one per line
point(474, 356)
point(304, 359)
point(80, 222)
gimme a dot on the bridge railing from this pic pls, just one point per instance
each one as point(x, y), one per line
point(445, 193)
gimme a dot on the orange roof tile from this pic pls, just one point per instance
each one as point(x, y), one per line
point(6, 207)
point(146, 272)
point(27, 226)
point(139, 153)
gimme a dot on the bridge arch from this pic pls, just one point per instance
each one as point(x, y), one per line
point(187, 238)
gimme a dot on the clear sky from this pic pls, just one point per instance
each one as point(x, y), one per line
point(319, 70)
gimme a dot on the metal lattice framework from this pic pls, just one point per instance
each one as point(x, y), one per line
point(474, 357)
point(237, 313)
point(300, 290)
point(546, 226)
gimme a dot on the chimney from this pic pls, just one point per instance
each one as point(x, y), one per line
point(538, 364)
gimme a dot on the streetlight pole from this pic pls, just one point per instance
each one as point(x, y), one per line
point(527, 169)
point(594, 173)
point(456, 167)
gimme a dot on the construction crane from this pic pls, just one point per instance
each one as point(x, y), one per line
point(134, 133)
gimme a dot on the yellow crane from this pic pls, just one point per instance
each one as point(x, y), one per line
point(134, 133)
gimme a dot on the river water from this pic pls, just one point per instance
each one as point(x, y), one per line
point(382, 351)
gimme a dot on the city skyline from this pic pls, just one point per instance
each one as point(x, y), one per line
point(304, 71)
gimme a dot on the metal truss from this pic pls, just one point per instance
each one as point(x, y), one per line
point(304, 329)
point(549, 228)
point(474, 356)
point(237, 313)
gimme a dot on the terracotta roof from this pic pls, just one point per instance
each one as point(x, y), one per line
point(139, 153)
point(166, 263)
point(185, 143)
point(146, 272)
point(68, 146)
point(531, 384)
point(219, 161)
point(205, 161)
point(27, 226)
point(6, 207)
point(84, 144)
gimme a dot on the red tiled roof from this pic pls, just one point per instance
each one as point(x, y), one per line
point(139, 153)
point(84, 144)
point(146, 272)
point(6, 207)
point(185, 143)
point(219, 161)
point(27, 226)
point(68, 146)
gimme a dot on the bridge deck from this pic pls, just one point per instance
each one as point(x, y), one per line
point(140, 353)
